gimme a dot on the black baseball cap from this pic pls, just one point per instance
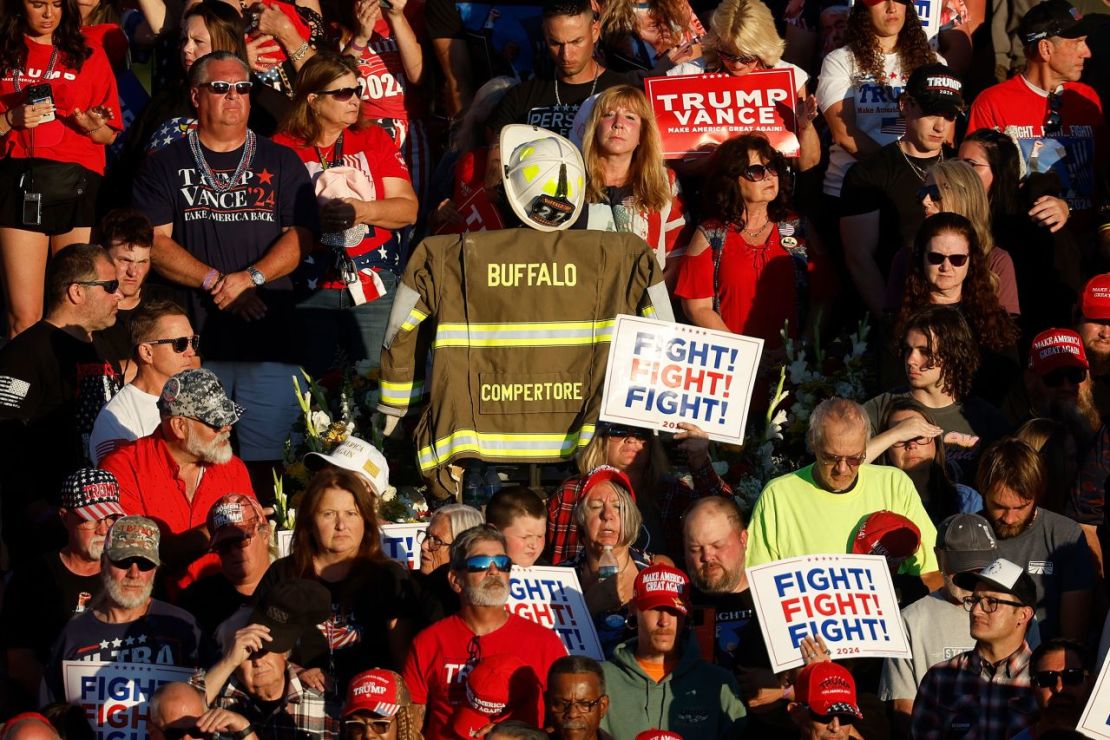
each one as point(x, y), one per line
point(291, 609)
point(1052, 18)
point(936, 89)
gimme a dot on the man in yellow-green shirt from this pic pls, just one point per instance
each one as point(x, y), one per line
point(818, 509)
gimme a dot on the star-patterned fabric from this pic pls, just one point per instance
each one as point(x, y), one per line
point(174, 129)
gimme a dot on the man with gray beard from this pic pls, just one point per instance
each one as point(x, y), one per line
point(442, 655)
point(60, 584)
point(123, 624)
point(176, 474)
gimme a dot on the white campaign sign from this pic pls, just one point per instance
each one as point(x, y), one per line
point(399, 543)
point(661, 373)
point(848, 600)
point(114, 696)
point(1095, 721)
point(551, 597)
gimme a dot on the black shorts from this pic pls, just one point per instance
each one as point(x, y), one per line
point(68, 194)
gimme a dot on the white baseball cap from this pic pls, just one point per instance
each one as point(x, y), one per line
point(358, 456)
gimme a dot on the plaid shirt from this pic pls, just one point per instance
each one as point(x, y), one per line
point(304, 713)
point(675, 496)
point(969, 698)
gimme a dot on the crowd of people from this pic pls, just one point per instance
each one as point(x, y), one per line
point(200, 201)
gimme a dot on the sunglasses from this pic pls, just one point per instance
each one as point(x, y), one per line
point(641, 434)
point(1048, 679)
point(95, 526)
point(180, 733)
point(222, 87)
point(179, 344)
point(759, 172)
point(1053, 122)
point(932, 192)
point(826, 719)
point(481, 563)
point(1070, 375)
point(737, 58)
point(342, 94)
point(852, 461)
point(110, 286)
point(936, 258)
point(142, 563)
point(357, 728)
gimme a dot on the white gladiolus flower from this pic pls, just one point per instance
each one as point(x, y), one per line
point(320, 420)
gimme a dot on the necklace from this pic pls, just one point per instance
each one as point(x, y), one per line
point(921, 172)
point(597, 73)
point(226, 183)
point(337, 154)
point(756, 232)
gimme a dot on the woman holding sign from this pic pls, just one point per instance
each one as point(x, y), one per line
point(746, 41)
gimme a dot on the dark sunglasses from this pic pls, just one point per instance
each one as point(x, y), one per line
point(759, 172)
point(1053, 122)
point(143, 564)
point(824, 719)
point(737, 58)
point(932, 191)
point(180, 733)
point(222, 87)
point(1071, 375)
point(641, 434)
point(179, 344)
point(356, 728)
point(936, 258)
point(342, 94)
point(481, 563)
point(110, 286)
point(1048, 679)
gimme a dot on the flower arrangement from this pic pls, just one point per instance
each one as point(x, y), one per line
point(811, 374)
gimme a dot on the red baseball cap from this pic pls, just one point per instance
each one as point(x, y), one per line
point(489, 693)
point(1053, 349)
point(234, 516)
point(888, 534)
point(1096, 297)
point(379, 691)
point(607, 474)
point(827, 688)
point(654, 734)
point(661, 587)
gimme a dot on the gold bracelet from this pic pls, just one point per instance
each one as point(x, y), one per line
point(298, 55)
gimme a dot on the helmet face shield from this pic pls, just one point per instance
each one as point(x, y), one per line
point(543, 177)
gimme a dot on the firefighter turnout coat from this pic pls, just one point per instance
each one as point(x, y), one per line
point(518, 323)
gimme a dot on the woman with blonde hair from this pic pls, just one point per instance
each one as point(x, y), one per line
point(636, 36)
point(953, 186)
point(628, 186)
point(744, 40)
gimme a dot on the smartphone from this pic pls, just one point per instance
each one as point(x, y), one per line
point(37, 94)
point(32, 209)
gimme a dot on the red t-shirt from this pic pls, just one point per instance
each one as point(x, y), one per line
point(111, 38)
point(60, 140)
point(149, 486)
point(386, 90)
point(757, 285)
point(439, 661)
point(371, 151)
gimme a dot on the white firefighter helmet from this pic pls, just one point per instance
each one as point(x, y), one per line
point(544, 177)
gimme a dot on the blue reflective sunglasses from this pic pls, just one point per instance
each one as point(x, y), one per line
point(481, 563)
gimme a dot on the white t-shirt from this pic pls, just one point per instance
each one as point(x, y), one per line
point(130, 414)
point(875, 103)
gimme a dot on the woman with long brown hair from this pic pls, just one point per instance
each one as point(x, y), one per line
point(375, 603)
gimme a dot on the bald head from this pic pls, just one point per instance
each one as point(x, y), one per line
point(29, 728)
point(174, 705)
point(715, 536)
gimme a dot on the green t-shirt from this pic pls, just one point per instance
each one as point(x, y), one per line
point(794, 516)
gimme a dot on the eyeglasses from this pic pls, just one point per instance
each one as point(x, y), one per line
point(826, 719)
point(988, 604)
point(563, 706)
point(180, 733)
point(223, 87)
point(737, 58)
point(759, 172)
point(851, 461)
point(213, 427)
point(481, 563)
point(110, 286)
point(1053, 122)
point(179, 344)
point(434, 543)
point(99, 523)
point(342, 94)
point(360, 728)
point(142, 563)
point(640, 434)
point(1048, 679)
point(937, 258)
point(932, 192)
point(1070, 375)
point(235, 543)
point(916, 441)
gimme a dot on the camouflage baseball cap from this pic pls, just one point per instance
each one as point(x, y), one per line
point(133, 537)
point(198, 395)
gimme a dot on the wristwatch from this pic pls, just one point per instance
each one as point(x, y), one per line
point(256, 277)
point(240, 734)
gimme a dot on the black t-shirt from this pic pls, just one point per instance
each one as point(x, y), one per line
point(535, 102)
point(362, 607)
point(211, 600)
point(739, 641)
point(40, 598)
point(230, 231)
point(887, 183)
point(114, 343)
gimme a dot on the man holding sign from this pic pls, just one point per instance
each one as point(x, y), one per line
point(818, 509)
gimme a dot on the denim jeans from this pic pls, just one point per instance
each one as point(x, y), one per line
point(334, 330)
